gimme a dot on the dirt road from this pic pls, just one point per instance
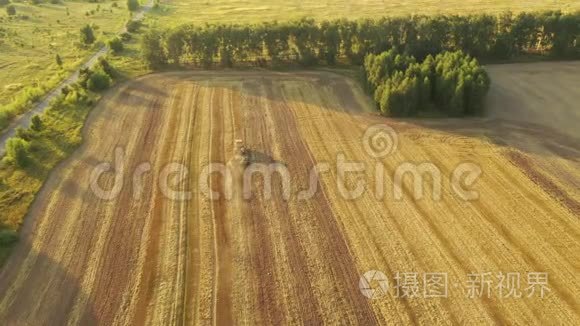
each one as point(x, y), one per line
point(148, 257)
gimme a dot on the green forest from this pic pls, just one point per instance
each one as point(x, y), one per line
point(451, 82)
point(487, 37)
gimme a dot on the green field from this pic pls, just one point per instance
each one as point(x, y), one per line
point(247, 11)
point(30, 41)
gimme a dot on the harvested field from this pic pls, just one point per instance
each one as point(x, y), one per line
point(144, 258)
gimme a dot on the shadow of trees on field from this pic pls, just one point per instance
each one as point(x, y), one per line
point(526, 137)
point(515, 134)
point(45, 298)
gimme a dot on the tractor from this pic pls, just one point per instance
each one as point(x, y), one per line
point(241, 153)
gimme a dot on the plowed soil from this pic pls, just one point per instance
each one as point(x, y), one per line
point(144, 258)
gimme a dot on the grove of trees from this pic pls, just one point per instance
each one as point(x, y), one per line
point(486, 37)
point(451, 82)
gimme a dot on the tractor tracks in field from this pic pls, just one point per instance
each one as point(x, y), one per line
point(191, 223)
point(222, 251)
point(181, 270)
point(330, 253)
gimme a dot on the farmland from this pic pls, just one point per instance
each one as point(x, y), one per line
point(145, 258)
point(175, 12)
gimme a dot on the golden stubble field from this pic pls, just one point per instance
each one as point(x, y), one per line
point(143, 258)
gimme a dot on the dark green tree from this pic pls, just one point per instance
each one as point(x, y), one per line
point(152, 49)
point(36, 123)
point(98, 81)
point(133, 5)
point(329, 42)
point(17, 151)
point(133, 26)
point(11, 10)
point(58, 60)
point(106, 67)
point(87, 35)
point(116, 45)
point(8, 237)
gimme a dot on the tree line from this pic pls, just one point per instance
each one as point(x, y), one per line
point(307, 42)
point(451, 82)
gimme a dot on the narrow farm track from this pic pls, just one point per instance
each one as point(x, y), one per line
point(162, 252)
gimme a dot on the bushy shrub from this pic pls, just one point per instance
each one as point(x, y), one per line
point(84, 75)
point(106, 67)
point(87, 35)
point(4, 119)
point(7, 237)
point(133, 26)
point(116, 45)
point(125, 36)
point(11, 10)
point(17, 151)
point(98, 81)
point(25, 134)
point(76, 96)
point(133, 5)
point(65, 90)
point(36, 123)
